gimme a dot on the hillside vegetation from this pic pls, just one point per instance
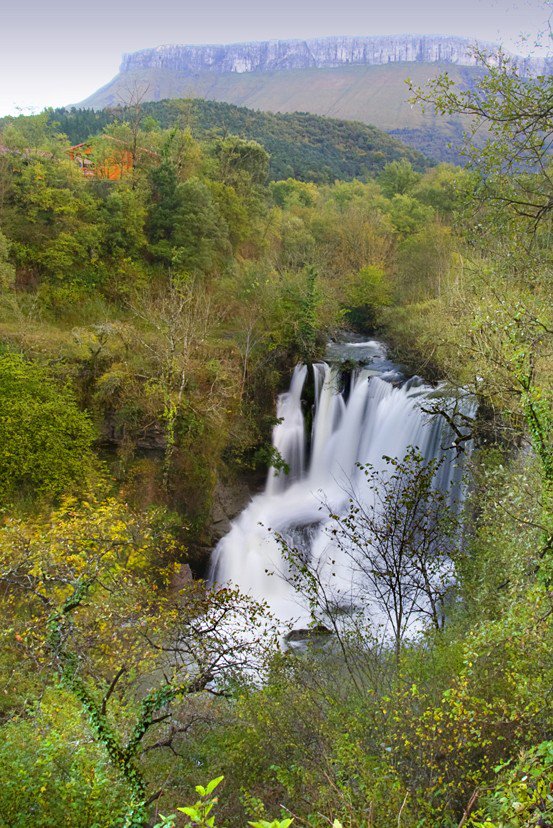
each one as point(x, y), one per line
point(373, 95)
point(300, 146)
point(147, 322)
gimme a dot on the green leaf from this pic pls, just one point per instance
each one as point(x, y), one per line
point(190, 812)
point(212, 785)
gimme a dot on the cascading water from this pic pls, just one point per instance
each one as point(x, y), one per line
point(380, 416)
point(289, 434)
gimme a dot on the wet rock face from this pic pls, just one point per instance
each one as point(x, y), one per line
point(276, 55)
point(229, 499)
point(308, 633)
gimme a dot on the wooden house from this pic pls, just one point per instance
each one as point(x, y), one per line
point(112, 166)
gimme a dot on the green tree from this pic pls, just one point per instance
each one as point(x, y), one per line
point(184, 224)
point(368, 292)
point(23, 133)
point(7, 270)
point(424, 263)
point(242, 162)
point(290, 193)
point(201, 234)
point(86, 603)
point(445, 188)
point(53, 774)
point(45, 440)
point(50, 219)
point(513, 110)
point(124, 216)
point(165, 203)
point(515, 197)
point(408, 215)
point(398, 178)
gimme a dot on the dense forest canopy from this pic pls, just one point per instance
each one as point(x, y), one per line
point(300, 145)
point(156, 288)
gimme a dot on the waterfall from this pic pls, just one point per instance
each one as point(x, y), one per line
point(289, 434)
point(360, 416)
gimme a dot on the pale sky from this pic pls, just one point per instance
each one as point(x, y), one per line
point(56, 52)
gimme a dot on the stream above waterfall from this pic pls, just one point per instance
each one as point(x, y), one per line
point(364, 411)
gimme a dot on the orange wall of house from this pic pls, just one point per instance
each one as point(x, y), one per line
point(113, 168)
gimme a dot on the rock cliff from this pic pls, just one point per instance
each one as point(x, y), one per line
point(351, 78)
point(278, 55)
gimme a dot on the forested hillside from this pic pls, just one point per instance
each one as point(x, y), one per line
point(300, 145)
point(156, 289)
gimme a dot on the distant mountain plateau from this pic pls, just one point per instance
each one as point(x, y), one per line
point(352, 78)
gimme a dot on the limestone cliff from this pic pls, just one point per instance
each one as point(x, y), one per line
point(278, 55)
point(351, 78)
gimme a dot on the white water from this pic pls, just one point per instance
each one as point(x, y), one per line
point(380, 416)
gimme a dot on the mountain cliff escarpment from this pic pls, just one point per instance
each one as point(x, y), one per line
point(279, 55)
point(350, 78)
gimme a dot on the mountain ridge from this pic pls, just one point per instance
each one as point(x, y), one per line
point(349, 78)
point(270, 55)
